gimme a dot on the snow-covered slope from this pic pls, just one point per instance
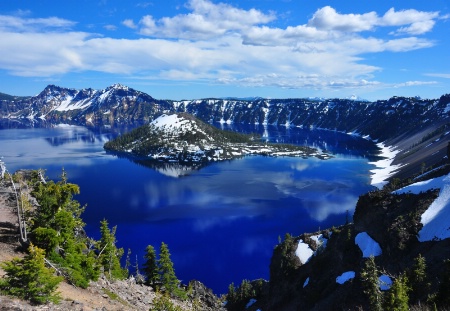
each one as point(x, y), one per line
point(436, 219)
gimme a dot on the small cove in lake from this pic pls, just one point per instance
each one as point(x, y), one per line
point(221, 222)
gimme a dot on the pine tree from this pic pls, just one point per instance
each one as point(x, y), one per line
point(151, 266)
point(231, 295)
point(397, 297)
point(56, 227)
point(167, 272)
point(417, 277)
point(110, 255)
point(29, 279)
point(369, 277)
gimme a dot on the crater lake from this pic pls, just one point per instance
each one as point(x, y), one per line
point(221, 222)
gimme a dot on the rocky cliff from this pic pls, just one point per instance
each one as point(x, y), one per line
point(324, 270)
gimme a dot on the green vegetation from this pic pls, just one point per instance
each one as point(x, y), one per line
point(151, 267)
point(29, 279)
point(371, 288)
point(170, 145)
point(411, 288)
point(160, 273)
point(114, 296)
point(56, 227)
point(56, 234)
point(287, 262)
point(58, 241)
point(396, 299)
point(163, 303)
point(110, 255)
point(143, 140)
point(167, 273)
point(418, 279)
point(238, 298)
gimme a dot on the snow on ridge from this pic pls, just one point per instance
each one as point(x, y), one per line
point(367, 245)
point(103, 96)
point(436, 219)
point(320, 240)
point(303, 252)
point(344, 277)
point(447, 108)
point(384, 168)
point(172, 120)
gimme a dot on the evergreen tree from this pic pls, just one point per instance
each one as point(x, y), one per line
point(245, 290)
point(151, 266)
point(397, 297)
point(417, 277)
point(29, 279)
point(231, 295)
point(110, 255)
point(369, 277)
point(56, 226)
point(167, 272)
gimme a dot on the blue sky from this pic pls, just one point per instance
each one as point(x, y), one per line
point(186, 49)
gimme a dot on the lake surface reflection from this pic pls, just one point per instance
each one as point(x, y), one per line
point(221, 222)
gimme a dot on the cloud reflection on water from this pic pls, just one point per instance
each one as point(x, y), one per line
point(52, 147)
point(257, 193)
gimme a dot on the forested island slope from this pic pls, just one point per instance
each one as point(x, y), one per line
point(184, 138)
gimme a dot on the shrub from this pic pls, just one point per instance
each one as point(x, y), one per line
point(29, 279)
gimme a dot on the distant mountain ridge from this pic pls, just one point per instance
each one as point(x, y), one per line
point(118, 104)
point(399, 120)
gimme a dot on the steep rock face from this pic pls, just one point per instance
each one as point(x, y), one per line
point(387, 224)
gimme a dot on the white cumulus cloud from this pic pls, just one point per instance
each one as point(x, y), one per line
point(220, 43)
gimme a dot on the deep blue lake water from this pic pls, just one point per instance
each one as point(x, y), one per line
point(222, 222)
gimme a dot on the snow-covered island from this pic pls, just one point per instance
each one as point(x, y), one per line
point(182, 138)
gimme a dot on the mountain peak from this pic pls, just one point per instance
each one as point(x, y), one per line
point(118, 86)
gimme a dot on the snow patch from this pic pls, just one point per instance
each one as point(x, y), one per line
point(344, 277)
point(320, 240)
point(303, 252)
point(369, 247)
point(436, 219)
point(306, 282)
point(168, 121)
point(384, 168)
